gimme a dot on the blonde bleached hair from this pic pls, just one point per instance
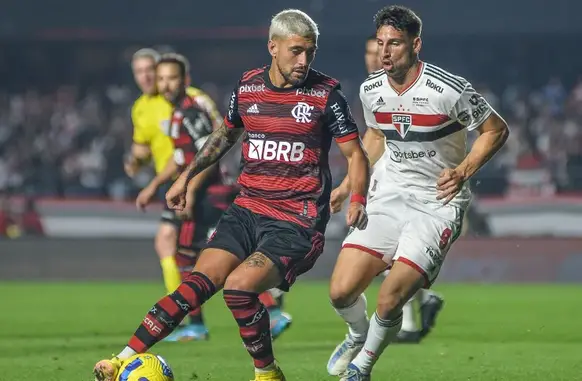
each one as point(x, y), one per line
point(293, 22)
point(146, 53)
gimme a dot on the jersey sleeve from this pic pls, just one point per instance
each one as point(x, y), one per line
point(198, 123)
point(338, 117)
point(471, 109)
point(232, 118)
point(209, 107)
point(139, 130)
point(367, 111)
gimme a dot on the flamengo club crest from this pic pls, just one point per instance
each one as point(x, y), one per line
point(302, 112)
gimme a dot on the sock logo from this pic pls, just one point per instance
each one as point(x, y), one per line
point(183, 306)
point(152, 325)
point(258, 316)
point(168, 323)
point(370, 353)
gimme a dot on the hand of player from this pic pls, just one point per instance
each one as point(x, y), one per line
point(131, 166)
point(188, 212)
point(449, 184)
point(357, 216)
point(144, 197)
point(176, 195)
point(338, 197)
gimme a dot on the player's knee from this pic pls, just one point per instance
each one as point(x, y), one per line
point(341, 295)
point(239, 282)
point(165, 242)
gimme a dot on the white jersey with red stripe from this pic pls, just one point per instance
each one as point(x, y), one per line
point(425, 126)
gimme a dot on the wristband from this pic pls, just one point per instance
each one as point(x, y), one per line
point(358, 198)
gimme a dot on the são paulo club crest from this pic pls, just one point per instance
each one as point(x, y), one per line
point(402, 123)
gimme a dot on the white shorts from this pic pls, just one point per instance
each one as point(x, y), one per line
point(405, 229)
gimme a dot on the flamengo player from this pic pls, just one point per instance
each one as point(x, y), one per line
point(428, 302)
point(418, 117)
point(274, 231)
point(189, 126)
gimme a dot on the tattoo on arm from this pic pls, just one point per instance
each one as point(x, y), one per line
point(257, 260)
point(216, 146)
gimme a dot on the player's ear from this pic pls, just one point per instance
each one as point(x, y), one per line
point(273, 48)
point(416, 45)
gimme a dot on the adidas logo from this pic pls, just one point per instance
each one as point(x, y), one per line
point(380, 102)
point(254, 109)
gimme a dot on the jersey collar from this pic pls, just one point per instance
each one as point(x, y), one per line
point(412, 83)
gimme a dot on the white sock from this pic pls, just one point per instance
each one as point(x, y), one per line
point(380, 334)
point(409, 317)
point(356, 317)
point(126, 353)
point(266, 369)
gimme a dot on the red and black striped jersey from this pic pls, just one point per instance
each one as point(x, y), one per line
point(189, 127)
point(285, 170)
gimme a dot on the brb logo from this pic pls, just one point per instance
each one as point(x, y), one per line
point(302, 112)
point(271, 150)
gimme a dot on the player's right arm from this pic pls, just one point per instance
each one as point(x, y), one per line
point(216, 146)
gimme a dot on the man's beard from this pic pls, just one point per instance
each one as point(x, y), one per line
point(288, 77)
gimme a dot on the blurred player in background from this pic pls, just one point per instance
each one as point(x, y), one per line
point(425, 303)
point(189, 126)
point(418, 116)
point(274, 231)
point(150, 116)
point(152, 121)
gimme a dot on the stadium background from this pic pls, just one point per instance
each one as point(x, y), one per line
point(66, 209)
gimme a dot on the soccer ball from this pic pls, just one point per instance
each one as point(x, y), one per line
point(145, 367)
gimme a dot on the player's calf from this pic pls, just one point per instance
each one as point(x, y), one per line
point(354, 271)
point(255, 328)
point(400, 284)
point(241, 294)
point(167, 314)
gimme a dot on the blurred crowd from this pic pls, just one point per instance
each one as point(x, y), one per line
point(69, 140)
point(70, 143)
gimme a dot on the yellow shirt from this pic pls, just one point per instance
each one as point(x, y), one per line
point(150, 116)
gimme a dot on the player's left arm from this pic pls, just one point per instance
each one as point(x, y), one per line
point(474, 112)
point(343, 128)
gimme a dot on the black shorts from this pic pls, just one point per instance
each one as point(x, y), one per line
point(193, 234)
point(292, 248)
point(168, 215)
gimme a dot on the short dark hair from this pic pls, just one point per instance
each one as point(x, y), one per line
point(177, 59)
point(400, 18)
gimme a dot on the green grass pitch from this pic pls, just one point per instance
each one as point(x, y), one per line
point(56, 332)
